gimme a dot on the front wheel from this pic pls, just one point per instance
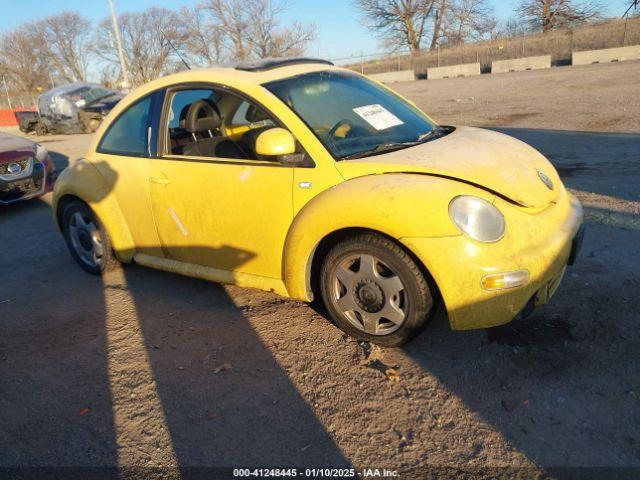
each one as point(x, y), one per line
point(87, 239)
point(374, 290)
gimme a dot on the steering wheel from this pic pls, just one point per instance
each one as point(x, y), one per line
point(353, 130)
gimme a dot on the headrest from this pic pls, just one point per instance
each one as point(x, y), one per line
point(183, 115)
point(255, 114)
point(202, 116)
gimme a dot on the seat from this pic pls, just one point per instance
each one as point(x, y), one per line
point(179, 136)
point(203, 122)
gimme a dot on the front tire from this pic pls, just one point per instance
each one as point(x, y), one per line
point(374, 290)
point(87, 239)
point(40, 129)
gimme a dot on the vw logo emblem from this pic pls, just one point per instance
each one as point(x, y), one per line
point(14, 168)
point(546, 180)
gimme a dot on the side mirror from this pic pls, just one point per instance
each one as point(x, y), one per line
point(275, 142)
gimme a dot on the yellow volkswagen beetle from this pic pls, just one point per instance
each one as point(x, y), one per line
point(311, 181)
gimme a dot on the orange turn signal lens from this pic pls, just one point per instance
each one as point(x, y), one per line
point(502, 281)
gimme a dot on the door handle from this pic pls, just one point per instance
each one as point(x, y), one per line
point(160, 180)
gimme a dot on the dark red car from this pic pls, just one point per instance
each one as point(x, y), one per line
point(26, 169)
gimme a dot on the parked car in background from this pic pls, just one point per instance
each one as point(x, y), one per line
point(71, 108)
point(26, 169)
point(309, 180)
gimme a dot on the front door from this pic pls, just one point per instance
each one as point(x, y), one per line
point(122, 158)
point(214, 203)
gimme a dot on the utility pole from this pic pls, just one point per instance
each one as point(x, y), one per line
point(116, 31)
point(4, 80)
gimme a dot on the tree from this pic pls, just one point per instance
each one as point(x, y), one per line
point(22, 59)
point(468, 20)
point(147, 54)
point(402, 23)
point(512, 27)
point(633, 5)
point(271, 40)
point(66, 41)
point(547, 15)
point(251, 29)
point(202, 41)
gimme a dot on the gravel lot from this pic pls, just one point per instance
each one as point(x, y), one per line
point(147, 369)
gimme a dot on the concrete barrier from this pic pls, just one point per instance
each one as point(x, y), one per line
point(391, 77)
point(606, 55)
point(518, 64)
point(453, 71)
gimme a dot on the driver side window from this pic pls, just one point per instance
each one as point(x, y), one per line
point(214, 123)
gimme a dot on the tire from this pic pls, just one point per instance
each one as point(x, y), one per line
point(87, 238)
point(374, 291)
point(40, 129)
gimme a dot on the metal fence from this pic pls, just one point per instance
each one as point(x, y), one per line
point(16, 99)
point(557, 43)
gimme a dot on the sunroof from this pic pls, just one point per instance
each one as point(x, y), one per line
point(271, 63)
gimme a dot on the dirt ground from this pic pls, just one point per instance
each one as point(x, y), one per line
point(146, 369)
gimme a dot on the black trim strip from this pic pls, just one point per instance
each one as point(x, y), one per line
point(272, 63)
point(254, 163)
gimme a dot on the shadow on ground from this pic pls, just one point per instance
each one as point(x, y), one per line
point(146, 368)
point(562, 386)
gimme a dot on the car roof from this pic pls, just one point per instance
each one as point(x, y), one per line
point(234, 76)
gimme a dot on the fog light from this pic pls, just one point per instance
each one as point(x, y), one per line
point(502, 281)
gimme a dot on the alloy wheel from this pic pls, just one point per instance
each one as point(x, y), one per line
point(85, 239)
point(369, 294)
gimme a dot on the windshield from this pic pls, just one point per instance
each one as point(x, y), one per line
point(351, 115)
point(88, 95)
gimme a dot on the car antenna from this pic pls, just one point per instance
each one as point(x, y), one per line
point(175, 50)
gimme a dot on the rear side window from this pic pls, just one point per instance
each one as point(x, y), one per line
point(128, 134)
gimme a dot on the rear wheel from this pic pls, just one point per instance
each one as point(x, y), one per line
point(40, 129)
point(87, 239)
point(374, 290)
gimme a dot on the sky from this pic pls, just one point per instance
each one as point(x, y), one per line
point(339, 28)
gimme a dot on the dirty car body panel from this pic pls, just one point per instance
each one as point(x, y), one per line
point(260, 223)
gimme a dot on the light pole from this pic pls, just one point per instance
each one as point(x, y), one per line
point(116, 31)
point(4, 80)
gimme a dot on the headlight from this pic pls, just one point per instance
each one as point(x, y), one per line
point(477, 218)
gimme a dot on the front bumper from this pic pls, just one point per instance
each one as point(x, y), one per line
point(543, 243)
point(35, 184)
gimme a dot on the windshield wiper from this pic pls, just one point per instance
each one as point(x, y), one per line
point(382, 148)
point(392, 146)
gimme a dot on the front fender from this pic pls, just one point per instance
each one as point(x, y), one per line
point(399, 205)
point(84, 181)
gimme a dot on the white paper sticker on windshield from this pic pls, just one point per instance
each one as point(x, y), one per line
point(378, 117)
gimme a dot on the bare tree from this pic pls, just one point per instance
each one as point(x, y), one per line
point(250, 29)
point(271, 40)
point(468, 20)
point(633, 6)
point(512, 27)
point(402, 23)
point(438, 15)
point(22, 59)
point(147, 54)
point(202, 40)
point(232, 21)
point(66, 41)
point(551, 14)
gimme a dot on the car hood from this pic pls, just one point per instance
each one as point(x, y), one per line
point(13, 148)
point(491, 160)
